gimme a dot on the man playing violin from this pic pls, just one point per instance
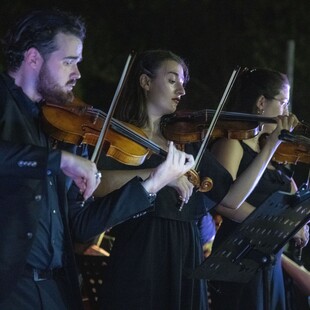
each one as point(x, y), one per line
point(38, 199)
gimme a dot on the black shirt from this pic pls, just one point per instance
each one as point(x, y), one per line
point(47, 247)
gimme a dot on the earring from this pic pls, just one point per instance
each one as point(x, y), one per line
point(260, 111)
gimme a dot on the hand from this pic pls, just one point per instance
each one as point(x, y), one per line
point(183, 186)
point(284, 122)
point(176, 164)
point(82, 171)
point(302, 237)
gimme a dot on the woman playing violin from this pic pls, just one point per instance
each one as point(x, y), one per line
point(266, 93)
point(162, 248)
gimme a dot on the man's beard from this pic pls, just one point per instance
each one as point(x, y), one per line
point(50, 91)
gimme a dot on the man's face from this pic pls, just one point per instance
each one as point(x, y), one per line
point(59, 73)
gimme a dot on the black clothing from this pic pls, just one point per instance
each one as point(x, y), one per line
point(250, 295)
point(26, 165)
point(154, 255)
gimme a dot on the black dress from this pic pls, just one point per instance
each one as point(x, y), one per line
point(228, 295)
point(154, 255)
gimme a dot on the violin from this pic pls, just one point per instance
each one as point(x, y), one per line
point(186, 127)
point(79, 123)
point(295, 148)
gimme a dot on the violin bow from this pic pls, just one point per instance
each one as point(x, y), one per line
point(104, 130)
point(193, 175)
point(215, 117)
point(109, 115)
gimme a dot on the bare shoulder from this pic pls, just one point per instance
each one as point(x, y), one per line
point(229, 153)
point(224, 145)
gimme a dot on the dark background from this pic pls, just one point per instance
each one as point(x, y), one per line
point(213, 37)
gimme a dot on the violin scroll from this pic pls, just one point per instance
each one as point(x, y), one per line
point(202, 186)
point(206, 185)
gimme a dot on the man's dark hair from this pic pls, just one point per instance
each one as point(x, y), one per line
point(38, 29)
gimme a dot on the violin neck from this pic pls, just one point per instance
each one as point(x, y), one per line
point(242, 117)
point(127, 132)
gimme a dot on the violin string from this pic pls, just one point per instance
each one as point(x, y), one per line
point(121, 128)
point(295, 139)
point(302, 140)
point(99, 144)
point(237, 116)
point(129, 133)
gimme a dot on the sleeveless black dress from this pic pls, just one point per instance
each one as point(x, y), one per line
point(154, 255)
point(249, 296)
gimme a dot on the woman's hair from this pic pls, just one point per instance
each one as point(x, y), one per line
point(132, 106)
point(38, 29)
point(251, 84)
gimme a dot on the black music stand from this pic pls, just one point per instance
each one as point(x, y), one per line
point(260, 236)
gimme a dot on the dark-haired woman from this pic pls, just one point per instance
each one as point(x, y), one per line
point(263, 92)
point(155, 254)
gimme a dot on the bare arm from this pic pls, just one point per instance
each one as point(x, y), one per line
point(229, 153)
point(299, 274)
point(245, 209)
point(237, 215)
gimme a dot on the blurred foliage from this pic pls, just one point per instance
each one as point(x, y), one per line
point(213, 37)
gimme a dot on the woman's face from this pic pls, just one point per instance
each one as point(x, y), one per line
point(166, 89)
point(276, 106)
point(279, 104)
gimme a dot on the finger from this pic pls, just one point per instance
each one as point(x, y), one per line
point(177, 158)
point(186, 161)
point(170, 155)
point(80, 183)
point(293, 120)
point(190, 161)
point(91, 184)
point(188, 192)
point(283, 122)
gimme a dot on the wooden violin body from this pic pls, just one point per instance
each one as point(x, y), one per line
point(81, 124)
point(295, 146)
point(78, 124)
point(290, 153)
point(187, 127)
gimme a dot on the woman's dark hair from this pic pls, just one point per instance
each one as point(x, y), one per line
point(251, 84)
point(38, 29)
point(132, 106)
